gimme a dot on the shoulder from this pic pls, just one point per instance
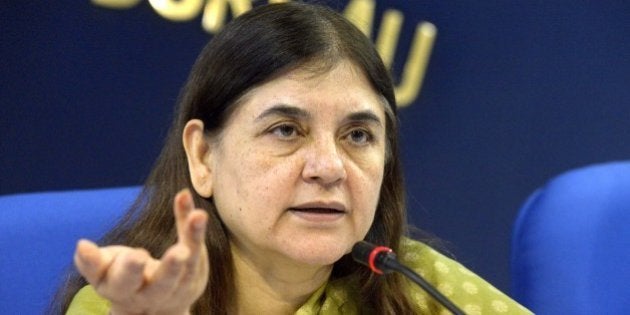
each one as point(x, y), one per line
point(87, 301)
point(466, 289)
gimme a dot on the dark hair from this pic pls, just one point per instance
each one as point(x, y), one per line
point(252, 49)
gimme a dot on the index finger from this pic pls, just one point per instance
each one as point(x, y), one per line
point(190, 222)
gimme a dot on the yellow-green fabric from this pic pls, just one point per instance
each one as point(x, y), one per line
point(87, 301)
point(467, 290)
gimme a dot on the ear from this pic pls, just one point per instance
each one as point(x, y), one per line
point(199, 156)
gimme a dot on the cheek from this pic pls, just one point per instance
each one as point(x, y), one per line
point(367, 188)
point(251, 181)
point(373, 170)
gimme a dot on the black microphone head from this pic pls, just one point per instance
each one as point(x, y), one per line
point(377, 258)
point(361, 252)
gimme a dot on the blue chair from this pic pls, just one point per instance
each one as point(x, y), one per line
point(38, 233)
point(571, 243)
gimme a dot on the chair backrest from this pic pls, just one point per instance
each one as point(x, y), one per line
point(571, 243)
point(38, 233)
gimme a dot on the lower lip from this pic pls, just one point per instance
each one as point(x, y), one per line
point(316, 217)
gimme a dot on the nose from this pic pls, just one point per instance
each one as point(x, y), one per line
point(324, 163)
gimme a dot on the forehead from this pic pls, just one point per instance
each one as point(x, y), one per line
point(341, 87)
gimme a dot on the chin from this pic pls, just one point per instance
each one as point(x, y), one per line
point(319, 254)
point(318, 260)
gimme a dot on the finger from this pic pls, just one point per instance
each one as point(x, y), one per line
point(87, 259)
point(151, 268)
point(182, 206)
point(195, 230)
point(191, 223)
point(166, 278)
point(195, 240)
point(93, 261)
point(125, 276)
point(191, 231)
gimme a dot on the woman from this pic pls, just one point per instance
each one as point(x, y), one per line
point(286, 137)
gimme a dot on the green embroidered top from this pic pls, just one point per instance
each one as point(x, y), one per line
point(467, 290)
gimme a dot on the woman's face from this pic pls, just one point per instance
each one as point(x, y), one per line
point(297, 170)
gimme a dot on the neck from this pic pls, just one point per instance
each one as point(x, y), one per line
point(268, 286)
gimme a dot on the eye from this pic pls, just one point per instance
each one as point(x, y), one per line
point(360, 136)
point(285, 131)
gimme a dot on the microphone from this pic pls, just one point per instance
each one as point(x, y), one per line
point(382, 260)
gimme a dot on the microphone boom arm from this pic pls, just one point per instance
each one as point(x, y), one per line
point(382, 260)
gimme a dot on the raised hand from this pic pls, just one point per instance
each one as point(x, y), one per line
point(136, 283)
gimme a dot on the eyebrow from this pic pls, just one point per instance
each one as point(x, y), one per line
point(284, 110)
point(299, 113)
point(364, 116)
